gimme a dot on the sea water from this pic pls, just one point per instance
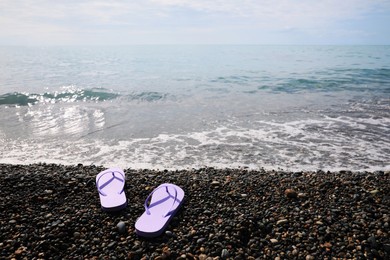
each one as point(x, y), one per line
point(182, 106)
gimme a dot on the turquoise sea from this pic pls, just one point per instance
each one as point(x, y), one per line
point(182, 106)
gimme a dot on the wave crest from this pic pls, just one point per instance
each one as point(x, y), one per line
point(76, 95)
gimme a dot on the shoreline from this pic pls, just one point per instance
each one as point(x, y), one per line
point(53, 211)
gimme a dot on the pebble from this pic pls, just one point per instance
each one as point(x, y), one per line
point(215, 183)
point(290, 193)
point(111, 245)
point(373, 242)
point(225, 253)
point(121, 227)
point(327, 245)
point(248, 216)
point(281, 222)
point(19, 251)
point(202, 257)
point(200, 240)
point(373, 192)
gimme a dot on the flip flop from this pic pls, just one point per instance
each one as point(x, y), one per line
point(110, 185)
point(165, 201)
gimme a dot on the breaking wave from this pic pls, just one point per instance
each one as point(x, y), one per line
point(70, 95)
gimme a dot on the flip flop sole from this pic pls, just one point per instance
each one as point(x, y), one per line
point(164, 204)
point(110, 185)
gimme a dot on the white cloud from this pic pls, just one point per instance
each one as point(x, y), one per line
point(69, 20)
point(274, 12)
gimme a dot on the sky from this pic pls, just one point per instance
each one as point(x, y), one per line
point(114, 22)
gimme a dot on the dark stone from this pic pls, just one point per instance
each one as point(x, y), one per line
point(112, 244)
point(225, 254)
point(372, 242)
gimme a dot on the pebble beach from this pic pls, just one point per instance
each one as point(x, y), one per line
point(53, 211)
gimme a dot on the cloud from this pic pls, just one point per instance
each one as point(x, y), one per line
point(69, 20)
point(279, 13)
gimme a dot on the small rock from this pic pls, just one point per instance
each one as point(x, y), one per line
point(215, 183)
point(372, 241)
point(282, 221)
point(201, 257)
point(200, 240)
point(170, 234)
point(55, 223)
point(19, 251)
point(273, 240)
point(310, 257)
point(373, 192)
point(225, 253)
point(166, 252)
point(112, 244)
point(121, 227)
point(207, 212)
point(290, 193)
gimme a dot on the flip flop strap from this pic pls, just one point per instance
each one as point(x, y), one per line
point(109, 181)
point(160, 201)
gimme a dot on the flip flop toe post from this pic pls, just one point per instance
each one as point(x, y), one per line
point(160, 207)
point(110, 185)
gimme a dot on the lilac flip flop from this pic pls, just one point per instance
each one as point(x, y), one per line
point(165, 200)
point(110, 185)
